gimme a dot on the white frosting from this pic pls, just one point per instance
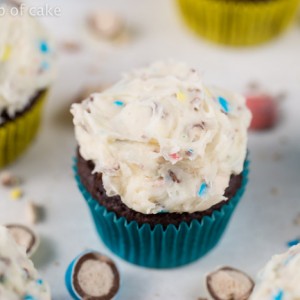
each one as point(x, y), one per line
point(165, 138)
point(26, 61)
point(18, 277)
point(280, 278)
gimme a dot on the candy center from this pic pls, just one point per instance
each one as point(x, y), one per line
point(95, 278)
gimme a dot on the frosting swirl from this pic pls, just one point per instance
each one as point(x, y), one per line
point(19, 279)
point(25, 60)
point(162, 140)
point(279, 280)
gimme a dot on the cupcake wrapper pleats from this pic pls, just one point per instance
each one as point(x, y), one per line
point(17, 135)
point(234, 22)
point(160, 247)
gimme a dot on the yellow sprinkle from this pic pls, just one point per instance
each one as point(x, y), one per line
point(6, 53)
point(16, 194)
point(208, 92)
point(181, 96)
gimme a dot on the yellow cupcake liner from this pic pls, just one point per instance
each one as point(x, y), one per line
point(17, 135)
point(238, 23)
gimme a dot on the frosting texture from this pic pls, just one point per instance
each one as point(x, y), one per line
point(19, 279)
point(279, 280)
point(26, 60)
point(162, 140)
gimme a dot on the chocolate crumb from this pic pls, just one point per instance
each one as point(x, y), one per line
point(277, 156)
point(296, 221)
point(200, 125)
point(9, 180)
point(70, 46)
point(274, 191)
point(283, 140)
point(281, 96)
point(174, 177)
point(253, 86)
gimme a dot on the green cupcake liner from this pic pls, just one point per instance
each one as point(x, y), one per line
point(239, 23)
point(17, 135)
point(159, 247)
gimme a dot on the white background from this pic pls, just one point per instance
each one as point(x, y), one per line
point(263, 222)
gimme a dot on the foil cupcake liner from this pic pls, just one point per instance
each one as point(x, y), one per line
point(17, 135)
point(159, 247)
point(238, 23)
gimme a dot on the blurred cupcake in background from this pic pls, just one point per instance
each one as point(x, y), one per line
point(238, 22)
point(279, 280)
point(162, 163)
point(26, 72)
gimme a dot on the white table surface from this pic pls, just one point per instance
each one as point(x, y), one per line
point(263, 222)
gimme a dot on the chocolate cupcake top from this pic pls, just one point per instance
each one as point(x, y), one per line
point(18, 277)
point(26, 59)
point(162, 140)
point(279, 280)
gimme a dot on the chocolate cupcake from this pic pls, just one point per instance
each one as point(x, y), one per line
point(26, 72)
point(162, 163)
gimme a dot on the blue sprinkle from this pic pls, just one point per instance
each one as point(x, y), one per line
point(163, 211)
point(119, 103)
point(279, 295)
point(44, 47)
point(45, 65)
point(40, 282)
point(203, 189)
point(224, 104)
point(28, 297)
point(293, 243)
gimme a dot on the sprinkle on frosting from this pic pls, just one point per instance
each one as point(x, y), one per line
point(181, 96)
point(224, 104)
point(29, 297)
point(25, 60)
point(279, 295)
point(175, 156)
point(202, 190)
point(136, 147)
point(6, 53)
point(293, 242)
point(40, 282)
point(44, 48)
point(119, 103)
point(280, 278)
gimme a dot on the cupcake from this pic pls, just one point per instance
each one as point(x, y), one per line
point(238, 22)
point(25, 75)
point(162, 163)
point(280, 278)
point(19, 279)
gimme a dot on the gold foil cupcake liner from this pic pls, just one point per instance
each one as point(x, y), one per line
point(238, 23)
point(17, 135)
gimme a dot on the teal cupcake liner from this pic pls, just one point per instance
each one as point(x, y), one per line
point(158, 247)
